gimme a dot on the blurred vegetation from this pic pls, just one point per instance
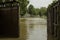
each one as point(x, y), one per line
point(37, 11)
point(33, 12)
point(23, 7)
point(54, 1)
point(43, 11)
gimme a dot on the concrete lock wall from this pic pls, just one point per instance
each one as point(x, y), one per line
point(9, 27)
point(53, 26)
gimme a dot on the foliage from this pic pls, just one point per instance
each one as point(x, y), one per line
point(23, 6)
point(31, 10)
point(43, 11)
point(53, 3)
point(55, 0)
point(37, 10)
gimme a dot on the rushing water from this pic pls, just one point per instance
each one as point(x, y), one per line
point(36, 28)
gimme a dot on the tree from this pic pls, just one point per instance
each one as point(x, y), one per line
point(31, 10)
point(55, 0)
point(43, 11)
point(37, 11)
point(40, 14)
point(23, 6)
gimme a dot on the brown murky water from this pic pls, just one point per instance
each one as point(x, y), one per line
point(36, 28)
point(31, 29)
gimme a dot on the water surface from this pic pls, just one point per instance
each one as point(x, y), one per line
point(36, 28)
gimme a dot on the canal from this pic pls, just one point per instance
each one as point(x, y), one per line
point(31, 29)
point(36, 29)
